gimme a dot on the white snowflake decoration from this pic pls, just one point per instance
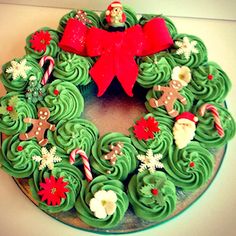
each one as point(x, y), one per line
point(18, 69)
point(186, 47)
point(150, 162)
point(48, 158)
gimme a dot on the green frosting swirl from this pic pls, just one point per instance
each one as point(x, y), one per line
point(196, 59)
point(72, 134)
point(10, 126)
point(154, 70)
point(213, 89)
point(178, 166)
point(131, 18)
point(146, 205)
point(87, 193)
point(70, 174)
point(180, 107)
point(206, 132)
point(170, 25)
point(125, 163)
point(72, 68)
point(51, 50)
point(161, 142)
point(19, 164)
point(91, 15)
point(68, 104)
point(20, 84)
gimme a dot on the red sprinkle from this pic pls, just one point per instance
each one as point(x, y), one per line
point(9, 108)
point(210, 77)
point(20, 148)
point(154, 191)
point(56, 92)
point(191, 164)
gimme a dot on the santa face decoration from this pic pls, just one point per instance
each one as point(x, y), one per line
point(184, 129)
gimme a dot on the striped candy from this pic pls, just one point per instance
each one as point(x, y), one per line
point(215, 114)
point(85, 160)
point(49, 70)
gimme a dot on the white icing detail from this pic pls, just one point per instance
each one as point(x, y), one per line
point(40, 123)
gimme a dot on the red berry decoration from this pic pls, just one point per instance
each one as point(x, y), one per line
point(56, 92)
point(9, 108)
point(210, 77)
point(191, 164)
point(20, 148)
point(154, 191)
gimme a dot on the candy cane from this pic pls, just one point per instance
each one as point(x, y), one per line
point(215, 114)
point(50, 68)
point(85, 159)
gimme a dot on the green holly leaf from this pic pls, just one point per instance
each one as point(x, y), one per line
point(13, 101)
point(13, 114)
point(3, 110)
point(146, 190)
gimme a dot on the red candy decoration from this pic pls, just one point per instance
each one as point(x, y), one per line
point(39, 40)
point(20, 148)
point(154, 191)
point(9, 108)
point(56, 92)
point(191, 164)
point(210, 77)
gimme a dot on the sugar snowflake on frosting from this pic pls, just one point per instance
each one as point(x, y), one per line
point(150, 162)
point(48, 158)
point(186, 47)
point(18, 69)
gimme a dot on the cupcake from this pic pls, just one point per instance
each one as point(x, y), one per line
point(114, 156)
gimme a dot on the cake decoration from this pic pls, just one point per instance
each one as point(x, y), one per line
point(47, 158)
point(53, 190)
point(10, 109)
point(169, 96)
point(18, 69)
point(103, 204)
point(82, 17)
point(49, 70)
point(40, 40)
point(182, 74)
point(116, 150)
point(150, 161)
point(40, 126)
point(184, 129)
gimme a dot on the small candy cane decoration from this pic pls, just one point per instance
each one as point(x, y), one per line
point(85, 159)
point(215, 114)
point(50, 68)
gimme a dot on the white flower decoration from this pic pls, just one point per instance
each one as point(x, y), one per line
point(150, 161)
point(186, 47)
point(103, 203)
point(18, 69)
point(48, 158)
point(182, 74)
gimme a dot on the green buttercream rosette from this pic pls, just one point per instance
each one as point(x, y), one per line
point(71, 174)
point(162, 141)
point(72, 68)
point(125, 163)
point(169, 24)
point(180, 107)
point(73, 134)
point(131, 18)
point(87, 193)
point(12, 122)
point(152, 196)
point(16, 156)
point(206, 132)
point(19, 83)
point(189, 168)
point(51, 50)
point(195, 59)
point(209, 83)
point(91, 15)
point(65, 105)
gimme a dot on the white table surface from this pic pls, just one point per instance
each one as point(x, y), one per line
point(213, 215)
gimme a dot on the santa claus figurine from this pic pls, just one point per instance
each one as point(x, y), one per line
point(184, 129)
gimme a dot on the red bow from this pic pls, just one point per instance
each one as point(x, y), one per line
point(117, 50)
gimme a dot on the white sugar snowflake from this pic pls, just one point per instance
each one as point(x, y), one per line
point(186, 47)
point(150, 162)
point(48, 158)
point(18, 69)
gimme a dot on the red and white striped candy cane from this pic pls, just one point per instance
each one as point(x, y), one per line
point(85, 160)
point(49, 70)
point(215, 114)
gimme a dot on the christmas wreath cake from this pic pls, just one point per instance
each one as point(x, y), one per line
point(60, 153)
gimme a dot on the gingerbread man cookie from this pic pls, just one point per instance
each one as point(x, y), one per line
point(115, 150)
point(169, 97)
point(39, 127)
